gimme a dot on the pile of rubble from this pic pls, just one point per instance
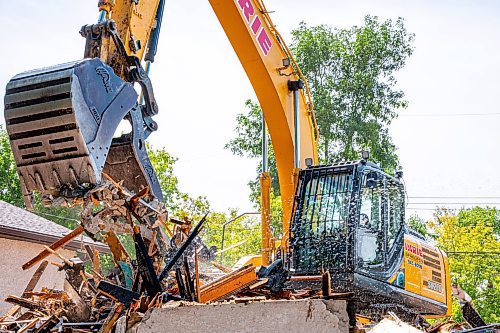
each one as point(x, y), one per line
point(171, 265)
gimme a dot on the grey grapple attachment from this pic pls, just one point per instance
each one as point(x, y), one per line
point(61, 122)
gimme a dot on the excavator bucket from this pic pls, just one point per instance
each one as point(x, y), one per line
point(61, 122)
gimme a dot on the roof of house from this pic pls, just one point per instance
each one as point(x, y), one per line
point(20, 224)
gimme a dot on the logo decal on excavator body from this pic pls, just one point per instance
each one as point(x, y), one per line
point(256, 27)
point(103, 73)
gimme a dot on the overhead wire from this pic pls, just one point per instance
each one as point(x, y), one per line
point(452, 197)
point(451, 114)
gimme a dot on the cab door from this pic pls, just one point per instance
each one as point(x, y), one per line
point(370, 235)
point(380, 232)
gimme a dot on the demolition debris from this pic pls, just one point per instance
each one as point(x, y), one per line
point(171, 265)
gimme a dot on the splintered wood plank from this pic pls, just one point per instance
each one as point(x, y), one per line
point(28, 326)
point(54, 246)
point(96, 266)
point(117, 250)
point(10, 313)
point(89, 250)
point(110, 321)
point(29, 287)
point(35, 278)
point(196, 274)
point(65, 260)
point(48, 325)
point(23, 302)
point(221, 267)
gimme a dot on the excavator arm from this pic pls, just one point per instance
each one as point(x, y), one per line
point(280, 87)
point(61, 119)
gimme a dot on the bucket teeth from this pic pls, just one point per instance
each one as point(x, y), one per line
point(61, 120)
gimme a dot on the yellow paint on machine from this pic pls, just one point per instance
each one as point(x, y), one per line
point(426, 271)
point(262, 53)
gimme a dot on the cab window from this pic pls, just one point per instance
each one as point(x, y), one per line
point(370, 225)
point(395, 204)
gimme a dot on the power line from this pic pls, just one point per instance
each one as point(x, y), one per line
point(426, 209)
point(473, 253)
point(59, 217)
point(454, 203)
point(444, 197)
point(451, 114)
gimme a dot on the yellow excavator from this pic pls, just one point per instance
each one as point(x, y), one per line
point(345, 218)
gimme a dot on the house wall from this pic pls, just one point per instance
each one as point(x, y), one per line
point(13, 280)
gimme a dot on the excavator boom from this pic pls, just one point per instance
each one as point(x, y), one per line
point(274, 76)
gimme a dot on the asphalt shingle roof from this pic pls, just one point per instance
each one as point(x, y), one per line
point(18, 223)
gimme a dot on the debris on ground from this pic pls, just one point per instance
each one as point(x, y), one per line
point(171, 267)
point(394, 325)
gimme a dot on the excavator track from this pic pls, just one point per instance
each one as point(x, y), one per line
point(53, 117)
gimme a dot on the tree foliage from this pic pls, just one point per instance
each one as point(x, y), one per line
point(418, 224)
point(473, 246)
point(244, 229)
point(10, 188)
point(248, 143)
point(351, 73)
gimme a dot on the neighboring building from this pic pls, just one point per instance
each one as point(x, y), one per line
point(22, 236)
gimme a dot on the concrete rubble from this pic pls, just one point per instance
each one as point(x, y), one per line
point(265, 317)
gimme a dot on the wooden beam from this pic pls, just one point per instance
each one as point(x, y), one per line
point(29, 287)
point(117, 250)
point(54, 246)
point(221, 267)
point(23, 302)
point(48, 325)
point(111, 319)
point(66, 260)
point(196, 275)
point(228, 284)
point(35, 278)
point(29, 325)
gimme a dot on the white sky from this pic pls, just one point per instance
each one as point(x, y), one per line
point(200, 87)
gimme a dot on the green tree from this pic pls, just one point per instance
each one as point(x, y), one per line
point(351, 73)
point(248, 143)
point(244, 229)
point(418, 224)
point(163, 164)
point(488, 216)
point(473, 248)
point(10, 188)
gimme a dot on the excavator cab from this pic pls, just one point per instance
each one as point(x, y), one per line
point(348, 219)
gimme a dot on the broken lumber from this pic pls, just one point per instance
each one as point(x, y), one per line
point(54, 246)
point(29, 287)
point(111, 319)
point(48, 325)
point(23, 302)
point(28, 326)
point(35, 278)
point(60, 256)
point(117, 293)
